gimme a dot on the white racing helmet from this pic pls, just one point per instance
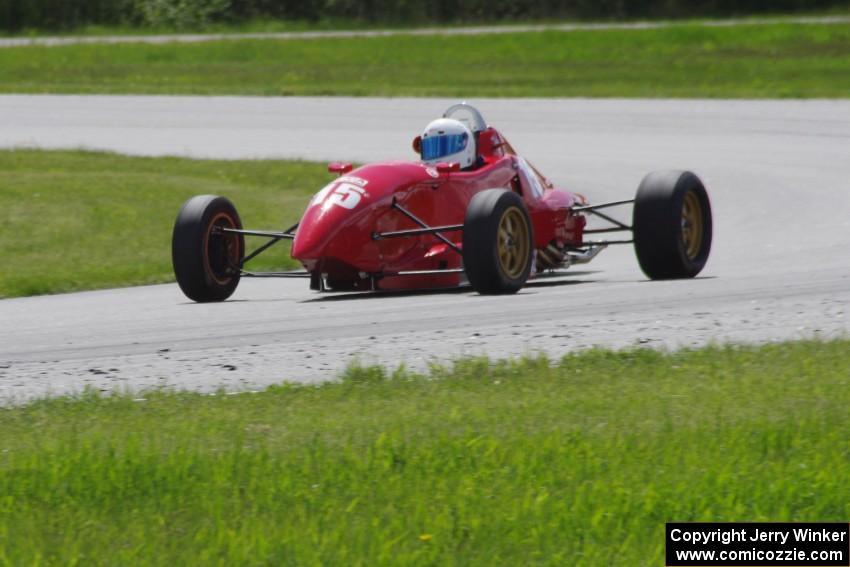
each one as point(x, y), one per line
point(448, 140)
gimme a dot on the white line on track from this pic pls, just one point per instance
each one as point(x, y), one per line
point(446, 31)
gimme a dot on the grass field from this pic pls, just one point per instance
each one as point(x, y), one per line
point(782, 60)
point(519, 463)
point(76, 220)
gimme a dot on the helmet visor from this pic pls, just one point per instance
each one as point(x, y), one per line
point(435, 147)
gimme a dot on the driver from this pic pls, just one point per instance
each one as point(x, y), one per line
point(448, 140)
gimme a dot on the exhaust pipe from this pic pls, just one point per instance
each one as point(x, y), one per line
point(550, 257)
point(585, 256)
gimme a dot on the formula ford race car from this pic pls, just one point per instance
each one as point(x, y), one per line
point(471, 211)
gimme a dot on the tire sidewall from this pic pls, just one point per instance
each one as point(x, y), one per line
point(657, 218)
point(190, 241)
point(480, 241)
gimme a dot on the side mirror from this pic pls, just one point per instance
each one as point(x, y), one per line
point(444, 167)
point(339, 168)
point(417, 144)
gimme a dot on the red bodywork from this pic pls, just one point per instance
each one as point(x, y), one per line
point(336, 235)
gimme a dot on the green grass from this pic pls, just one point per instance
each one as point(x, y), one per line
point(518, 463)
point(77, 220)
point(772, 61)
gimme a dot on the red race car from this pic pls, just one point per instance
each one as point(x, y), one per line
point(470, 211)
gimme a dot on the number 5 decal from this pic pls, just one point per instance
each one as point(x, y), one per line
point(345, 195)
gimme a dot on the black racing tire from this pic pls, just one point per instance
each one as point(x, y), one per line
point(498, 242)
point(672, 225)
point(206, 262)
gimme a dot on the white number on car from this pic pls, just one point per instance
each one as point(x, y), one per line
point(346, 195)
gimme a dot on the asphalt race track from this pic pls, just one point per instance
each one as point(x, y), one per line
point(778, 173)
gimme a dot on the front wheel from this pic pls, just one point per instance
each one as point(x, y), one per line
point(207, 260)
point(672, 225)
point(497, 242)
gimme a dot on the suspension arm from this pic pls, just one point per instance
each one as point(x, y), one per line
point(429, 229)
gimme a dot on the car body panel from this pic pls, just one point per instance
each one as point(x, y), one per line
point(336, 237)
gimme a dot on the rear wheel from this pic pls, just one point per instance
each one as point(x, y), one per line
point(497, 242)
point(206, 260)
point(672, 225)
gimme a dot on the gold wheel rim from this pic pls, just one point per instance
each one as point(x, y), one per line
point(513, 245)
point(692, 225)
point(228, 250)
